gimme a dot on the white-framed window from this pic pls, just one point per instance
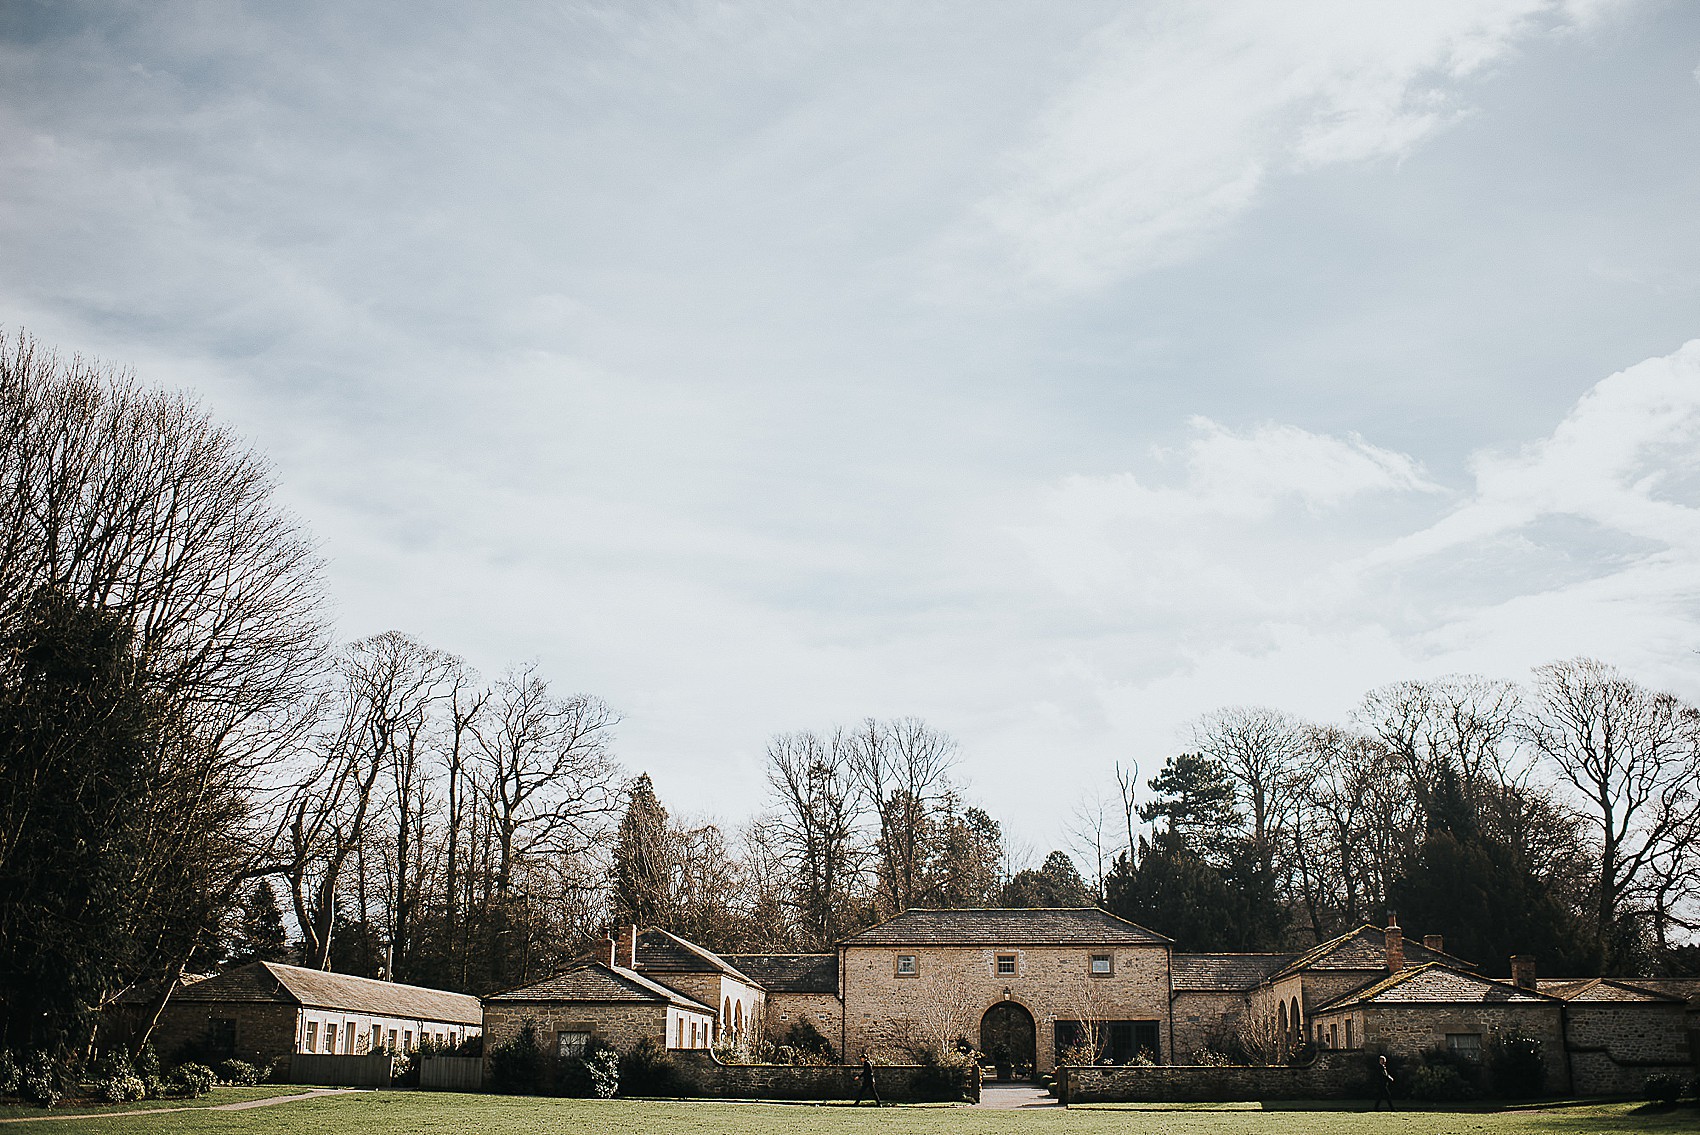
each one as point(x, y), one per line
point(377, 1037)
point(312, 1044)
point(906, 965)
point(570, 1043)
point(330, 1036)
point(392, 1038)
point(1468, 1046)
point(1006, 965)
point(1103, 965)
point(348, 1038)
point(407, 1040)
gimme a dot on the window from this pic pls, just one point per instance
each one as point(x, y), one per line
point(312, 1044)
point(1333, 1036)
point(221, 1035)
point(679, 1033)
point(392, 1038)
point(1467, 1046)
point(348, 1037)
point(1103, 965)
point(407, 1040)
point(1349, 1043)
point(906, 965)
point(1006, 964)
point(377, 1037)
point(330, 1037)
point(570, 1044)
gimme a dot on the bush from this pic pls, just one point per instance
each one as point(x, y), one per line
point(1664, 1089)
point(574, 1076)
point(239, 1072)
point(516, 1066)
point(1441, 1083)
point(1514, 1065)
point(808, 1041)
point(952, 1076)
point(647, 1070)
point(146, 1067)
point(122, 1088)
point(189, 1080)
point(603, 1069)
point(38, 1081)
point(10, 1074)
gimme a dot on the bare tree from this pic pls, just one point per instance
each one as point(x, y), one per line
point(1263, 751)
point(1632, 755)
point(815, 822)
point(1091, 837)
point(901, 768)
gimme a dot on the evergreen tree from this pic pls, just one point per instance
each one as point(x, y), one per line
point(259, 932)
point(1056, 882)
point(644, 860)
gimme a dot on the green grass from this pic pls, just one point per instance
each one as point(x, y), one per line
point(409, 1113)
point(211, 1099)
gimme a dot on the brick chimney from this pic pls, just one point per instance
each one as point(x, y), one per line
point(1434, 942)
point(1523, 971)
point(627, 953)
point(1395, 939)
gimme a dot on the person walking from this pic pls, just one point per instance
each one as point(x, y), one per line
point(1383, 1086)
point(868, 1086)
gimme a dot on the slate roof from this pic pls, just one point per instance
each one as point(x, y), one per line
point(661, 952)
point(1038, 926)
point(1686, 989)
point(1437, 984)
point(1592, 989)
point(790, 973)
point(1365, 949)
point(321, 989)
point(1241, 972)
point(597, 981)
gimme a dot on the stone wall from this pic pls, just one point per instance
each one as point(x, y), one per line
point(824, 1009)
point(620, 1024)
point(1409, 1029)
point(1051, 982)
point(265, 1032)
point(1201, 1014)
point(701, 1075)
point(1615, 1046)
point(1331, 1075)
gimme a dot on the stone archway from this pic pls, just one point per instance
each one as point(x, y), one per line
point(1009, 1040)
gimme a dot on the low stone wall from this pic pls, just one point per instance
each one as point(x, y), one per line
point(700, 1074)
point(1331, 1075)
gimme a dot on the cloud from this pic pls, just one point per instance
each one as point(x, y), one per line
point(1182, 114)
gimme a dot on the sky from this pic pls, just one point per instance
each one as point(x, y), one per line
point(1055, 373)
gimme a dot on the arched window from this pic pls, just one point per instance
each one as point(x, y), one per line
point(1284, 1033)
point(738, 1018)
point(1298, 1027)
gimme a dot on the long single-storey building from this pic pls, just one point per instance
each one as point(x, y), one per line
point(265, 1010)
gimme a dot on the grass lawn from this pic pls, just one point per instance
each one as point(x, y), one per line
point(212, 1098)
point(409, 1113)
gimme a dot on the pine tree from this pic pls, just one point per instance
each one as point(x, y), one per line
point(259, 934)
point(643, 860)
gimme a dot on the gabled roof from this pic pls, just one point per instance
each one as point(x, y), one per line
point(1438, 984)
point(1237, 972)
point(1687, 989)
point(598, 981)
point(790, 973)
point(1033, 926)
point(322, 989)
point(661, 952)
point(1364, 949)
point(1591, 989)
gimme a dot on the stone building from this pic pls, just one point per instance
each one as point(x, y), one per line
point(265, 1010)
point(1023, 985)
point(595, 999)
point(1617, 1033)
point(800, 988)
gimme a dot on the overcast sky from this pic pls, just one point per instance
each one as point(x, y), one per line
point(1054, 372)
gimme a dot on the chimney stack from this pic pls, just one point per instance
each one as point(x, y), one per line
point(1434, 942)
point(613, 952)
point(1523, 971)
point(628, 947)
point(1395, 939)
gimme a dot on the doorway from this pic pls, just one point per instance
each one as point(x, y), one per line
point(1009, 1040)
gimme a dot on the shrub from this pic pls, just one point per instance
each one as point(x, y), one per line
point(1663, 1088)
point(146, 1067)
point(1514, 1065)
point(603, 1068)
point(807, 1040)
point(1441, 1082)
point(10, 1073)
point(189, 1080)
point(516, 1065)
point(647, 1070)
point(238, 1072)
point(38, 1081)
point(952, 1076)
point(574, 1075)
point(121, 1088)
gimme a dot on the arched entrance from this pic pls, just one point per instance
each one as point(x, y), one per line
point(1009, 1040)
